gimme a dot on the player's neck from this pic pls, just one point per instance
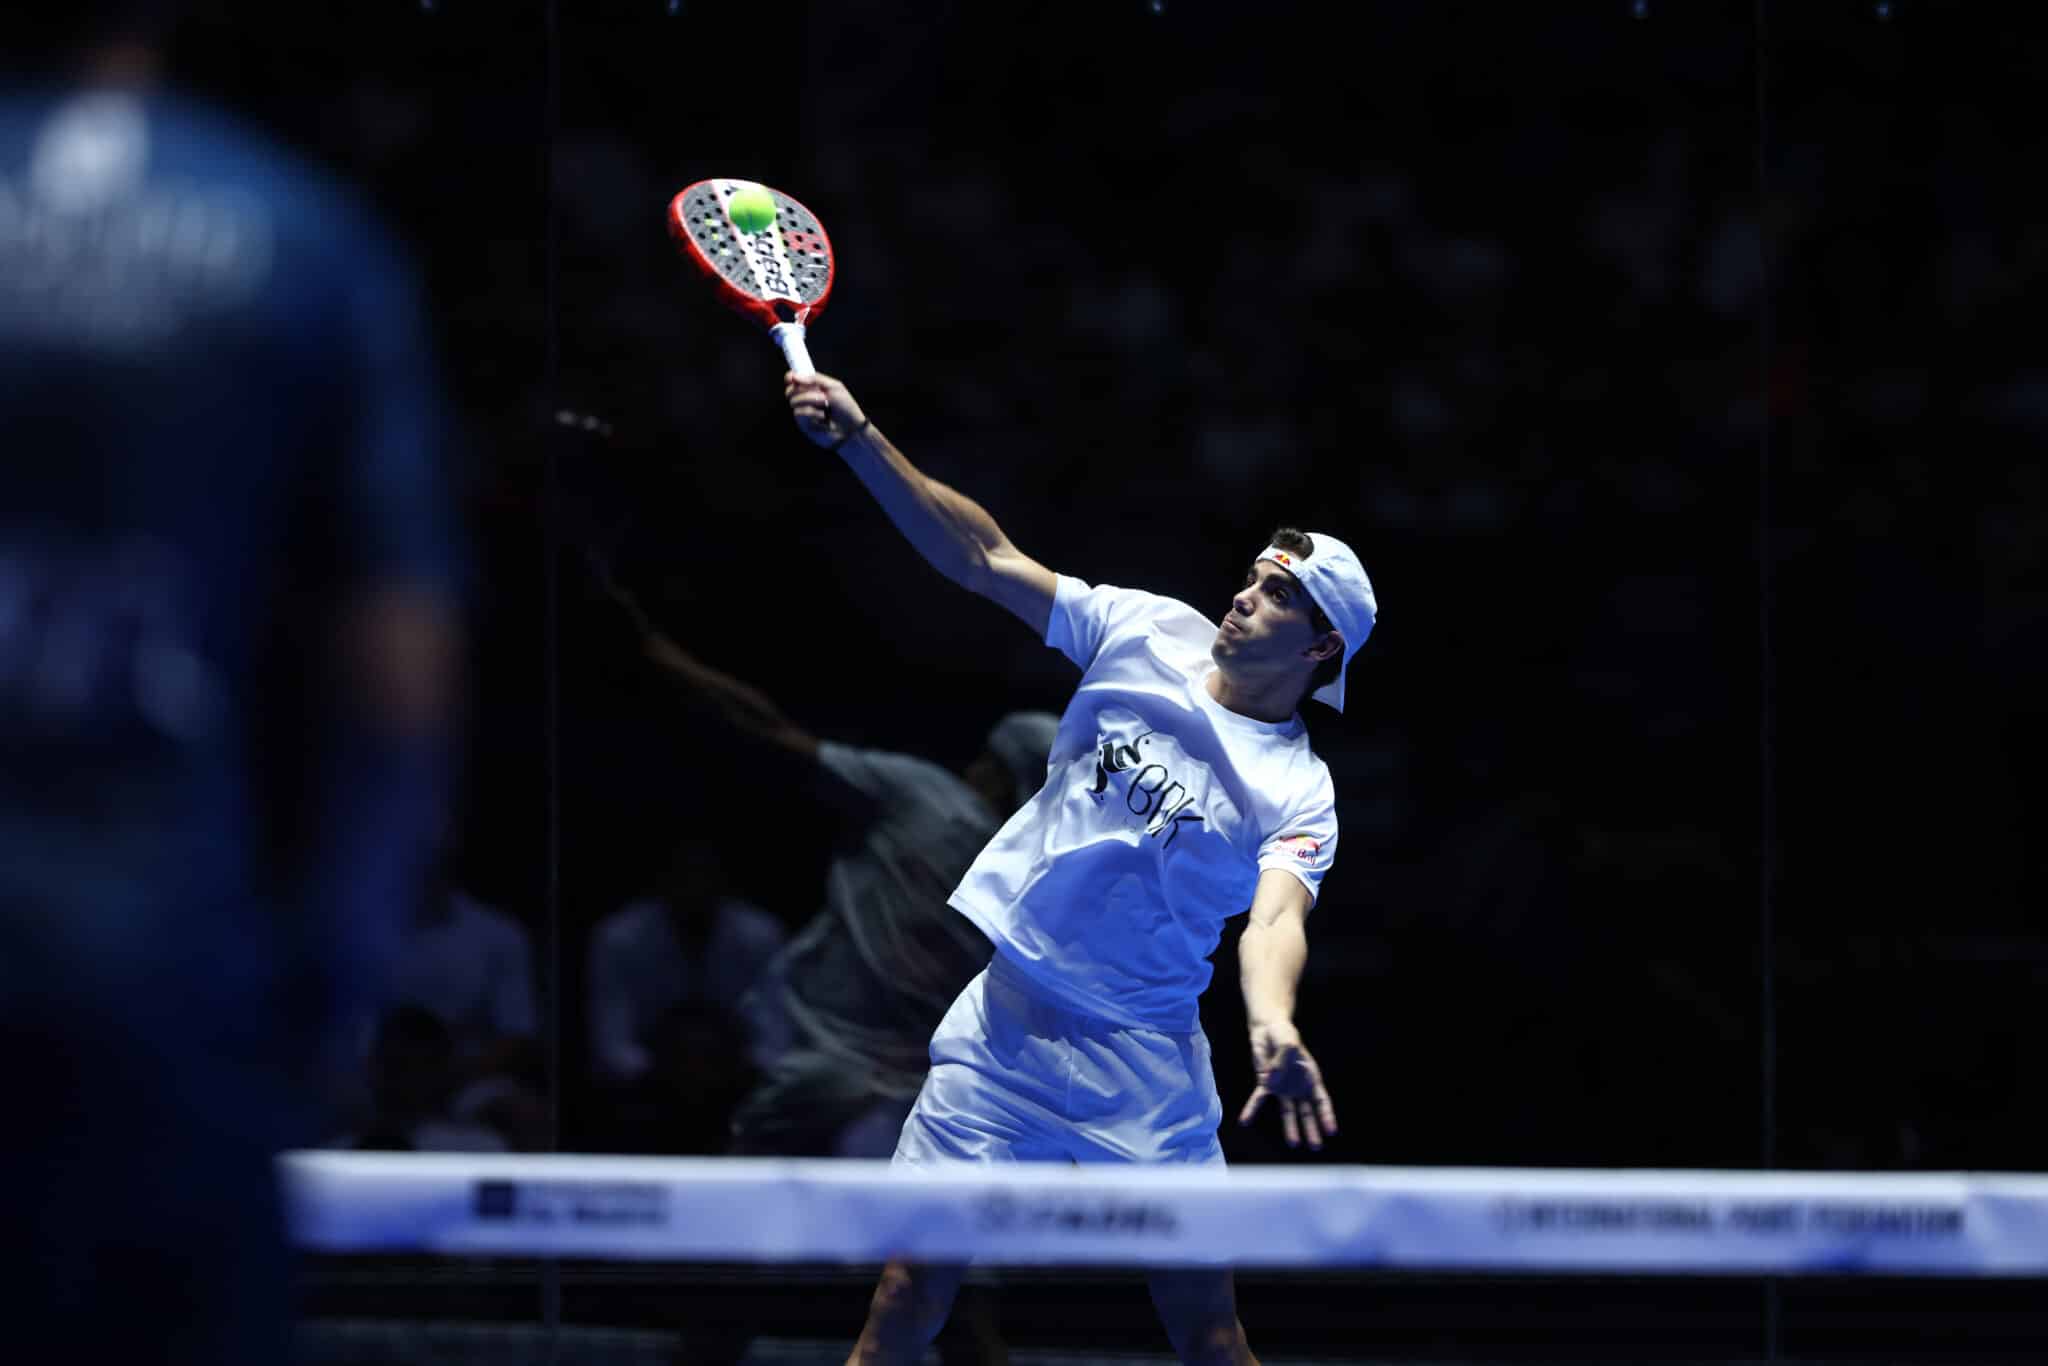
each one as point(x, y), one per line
point(1270, 699)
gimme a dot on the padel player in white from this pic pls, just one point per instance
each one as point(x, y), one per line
point(1180, 790)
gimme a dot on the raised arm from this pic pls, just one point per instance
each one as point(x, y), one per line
point(739, 704)
point(954, 533)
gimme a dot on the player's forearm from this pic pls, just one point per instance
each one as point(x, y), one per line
point(740, 706)
point(1269, 962)
point(954, 533)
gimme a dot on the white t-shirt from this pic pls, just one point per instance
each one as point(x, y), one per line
point(1160, 809)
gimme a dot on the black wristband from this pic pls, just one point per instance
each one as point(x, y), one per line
point(865, 423)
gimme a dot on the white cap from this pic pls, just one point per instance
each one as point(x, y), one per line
point(1336, 580)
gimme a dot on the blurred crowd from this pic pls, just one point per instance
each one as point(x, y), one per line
point(1519, 326)
point(430, 665)
point(1684, 433)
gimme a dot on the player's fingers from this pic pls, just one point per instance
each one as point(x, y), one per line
point(1251, 1107)
point(1290, 1129)
point(1310, 1130)
point(1325, 1109)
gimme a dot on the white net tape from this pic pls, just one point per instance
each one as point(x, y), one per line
point(1505, 1219)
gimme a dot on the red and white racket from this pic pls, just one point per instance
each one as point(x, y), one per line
point(778, 277)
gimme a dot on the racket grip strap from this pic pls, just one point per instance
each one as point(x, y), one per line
point(790, 337)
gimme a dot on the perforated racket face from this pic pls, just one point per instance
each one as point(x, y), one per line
point(780, 274)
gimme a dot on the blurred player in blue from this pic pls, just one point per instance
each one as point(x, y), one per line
point(229, 650)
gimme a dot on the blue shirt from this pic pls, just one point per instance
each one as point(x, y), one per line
point(219, 423)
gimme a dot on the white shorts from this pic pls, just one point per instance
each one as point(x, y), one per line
point(1016, 1077)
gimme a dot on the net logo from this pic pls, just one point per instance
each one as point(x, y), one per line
point(1005, 1213)
point(1602, 1216)
point(1771, 1219)
point(607, 1204)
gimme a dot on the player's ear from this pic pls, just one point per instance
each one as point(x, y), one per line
point(1331, 644)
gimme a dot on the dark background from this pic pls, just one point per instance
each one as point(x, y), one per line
point(1674, 368)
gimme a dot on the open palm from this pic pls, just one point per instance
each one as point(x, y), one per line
point(1288, 1074)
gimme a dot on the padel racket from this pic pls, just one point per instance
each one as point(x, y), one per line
point(778, 277)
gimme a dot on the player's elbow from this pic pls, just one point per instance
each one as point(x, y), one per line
point(1277, 921)
point(974, 571)
point(972, 564)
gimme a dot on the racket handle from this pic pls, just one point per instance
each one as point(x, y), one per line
point(790, 337)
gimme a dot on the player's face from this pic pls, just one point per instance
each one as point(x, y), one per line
point(1270, 619)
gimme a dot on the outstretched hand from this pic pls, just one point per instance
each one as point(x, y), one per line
point(1288, 1074)
point(824, 409)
